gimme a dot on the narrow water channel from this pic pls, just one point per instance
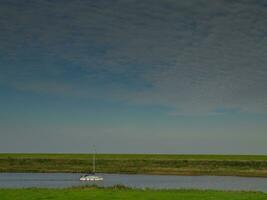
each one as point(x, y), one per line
point(62, 180)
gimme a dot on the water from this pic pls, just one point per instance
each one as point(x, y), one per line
point(62, 180)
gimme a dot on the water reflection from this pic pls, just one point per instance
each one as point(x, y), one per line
point(61, 180)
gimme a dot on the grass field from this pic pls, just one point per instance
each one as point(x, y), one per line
point(116, 194)
point(235, 165)
point(139, 156)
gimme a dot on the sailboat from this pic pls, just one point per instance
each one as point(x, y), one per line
point(91, 177)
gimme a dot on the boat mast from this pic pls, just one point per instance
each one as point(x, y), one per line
point(94, 161)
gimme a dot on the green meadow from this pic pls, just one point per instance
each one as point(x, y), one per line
point(233, 165)
point(129, 194)
point(139, 156)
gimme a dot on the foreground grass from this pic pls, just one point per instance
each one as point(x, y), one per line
point(234, 165)
point(115, 193)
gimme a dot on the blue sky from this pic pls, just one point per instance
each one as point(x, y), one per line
point(133, 76)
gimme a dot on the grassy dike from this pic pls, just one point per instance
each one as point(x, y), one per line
point(234, 165)
point(120, 193)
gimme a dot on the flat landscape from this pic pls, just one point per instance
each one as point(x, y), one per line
point(224, 165)
point(117, 193)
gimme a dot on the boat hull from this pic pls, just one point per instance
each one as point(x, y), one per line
point(91, 178)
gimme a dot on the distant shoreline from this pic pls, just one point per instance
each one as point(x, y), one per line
point(186, 165)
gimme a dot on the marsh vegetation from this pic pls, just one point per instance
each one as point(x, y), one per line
point(137, 164)
point(119, 192)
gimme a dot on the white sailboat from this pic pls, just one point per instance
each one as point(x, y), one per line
point(91, 177)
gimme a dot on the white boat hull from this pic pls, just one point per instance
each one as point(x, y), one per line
point(91, 178)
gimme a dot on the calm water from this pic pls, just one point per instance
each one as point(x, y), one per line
point(59, 180)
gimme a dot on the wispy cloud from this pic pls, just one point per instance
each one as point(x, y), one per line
point(194, 56)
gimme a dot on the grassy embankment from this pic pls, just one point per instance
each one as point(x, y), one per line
point(234, 165)
point(115, 193)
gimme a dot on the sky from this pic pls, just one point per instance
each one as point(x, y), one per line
point(133, 76)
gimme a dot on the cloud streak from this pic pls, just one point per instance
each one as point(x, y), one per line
point(195, 57)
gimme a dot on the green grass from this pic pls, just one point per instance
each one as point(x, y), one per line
point(139, 156)
point(235, 165)
point(123, 194)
